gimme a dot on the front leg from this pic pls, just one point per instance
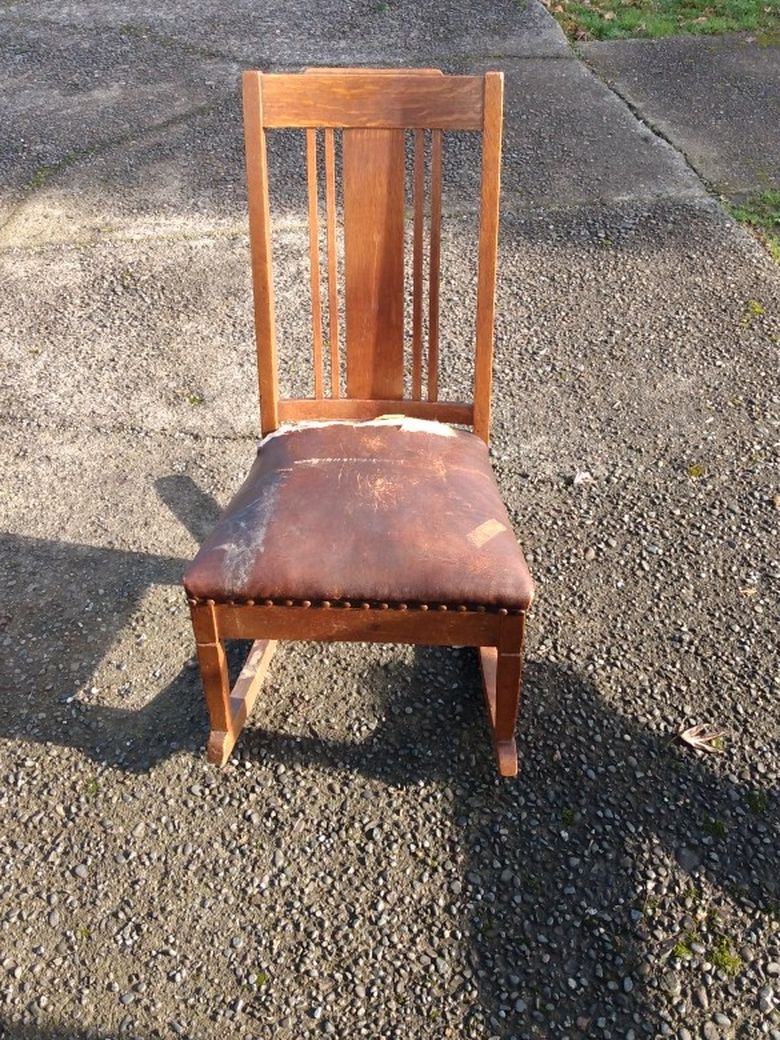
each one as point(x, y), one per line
point(502, 674)
point(228, 709)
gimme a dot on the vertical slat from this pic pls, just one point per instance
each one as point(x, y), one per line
point(260, 242)
point(417, 262)
point(374, 175)
point(434, 266)
point(314, 253)
point(488, 248)
point(333, 289)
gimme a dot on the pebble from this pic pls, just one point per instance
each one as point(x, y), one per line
point(81, 871)
point(766, 998)
point(671, 983)
point(689, 859)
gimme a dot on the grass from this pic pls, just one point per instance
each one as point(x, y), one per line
point(715, 828)
point(722, 956)
point(761, 213)
point(619, 19)
point(758, 801)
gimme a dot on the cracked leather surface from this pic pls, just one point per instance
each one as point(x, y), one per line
point(366, 512)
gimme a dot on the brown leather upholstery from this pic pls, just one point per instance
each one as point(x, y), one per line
point(377, 512)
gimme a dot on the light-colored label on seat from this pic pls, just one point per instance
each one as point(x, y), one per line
point(483, 534)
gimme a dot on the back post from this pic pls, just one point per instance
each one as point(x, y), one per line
point(488, 250)
point(260, 245)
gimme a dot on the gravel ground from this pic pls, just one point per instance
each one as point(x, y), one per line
point(358, 869)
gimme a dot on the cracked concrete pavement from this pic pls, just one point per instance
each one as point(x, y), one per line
point(716, 99)
point(357, 869)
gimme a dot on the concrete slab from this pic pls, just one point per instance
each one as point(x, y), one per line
point(568, 141)
point(302, 32)
point(132, 337)
point(717, 99)
point(67, 91)
point(77, 80)
point(157, 334)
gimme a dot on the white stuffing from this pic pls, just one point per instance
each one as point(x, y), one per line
point(403, 422)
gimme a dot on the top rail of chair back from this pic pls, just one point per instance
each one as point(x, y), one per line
point(371, 99)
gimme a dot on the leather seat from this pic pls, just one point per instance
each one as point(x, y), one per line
point(400, 511)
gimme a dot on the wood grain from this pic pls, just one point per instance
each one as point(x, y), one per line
point(431, 627)
point(434, 272)
point(488, 251)
point(300, 409)
point(242, 699)
point(260, 244)
point(372, 99)
point(417, 262)
point(333, 276)
point(314, 258)
point(216, 684)
point(373, 163)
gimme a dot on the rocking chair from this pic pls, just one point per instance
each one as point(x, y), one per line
point(368, 516)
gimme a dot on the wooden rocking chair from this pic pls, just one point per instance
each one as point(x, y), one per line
point(371, 518)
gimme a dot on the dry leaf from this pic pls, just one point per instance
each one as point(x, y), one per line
point(701, 737)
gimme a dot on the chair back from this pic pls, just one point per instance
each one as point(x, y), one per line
point(366, 115)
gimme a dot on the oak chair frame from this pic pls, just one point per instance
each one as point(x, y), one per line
point(367, 104)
